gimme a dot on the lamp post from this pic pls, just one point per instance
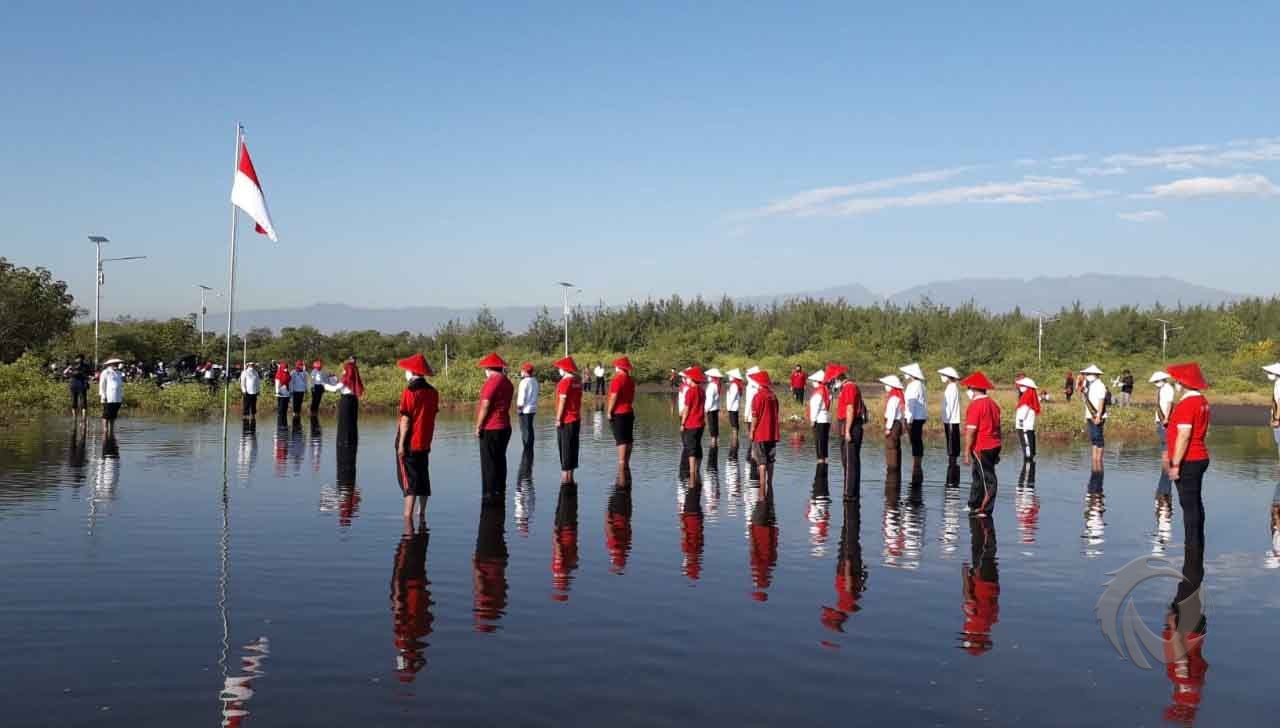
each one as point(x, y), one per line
point(204, 312)
point(1041, 321)
point(98, 280)
point(1165, 328)
point(566, 286)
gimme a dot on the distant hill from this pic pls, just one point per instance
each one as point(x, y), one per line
point(854, 294)
point(330, 317)
point(1000, 295)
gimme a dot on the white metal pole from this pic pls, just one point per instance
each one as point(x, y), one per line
point(204, 320)
point(446, 360)
point(97, 302)
point(566, 322)
point(1040, 343)
point(231, 303)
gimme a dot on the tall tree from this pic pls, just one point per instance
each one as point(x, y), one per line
point(34, 308)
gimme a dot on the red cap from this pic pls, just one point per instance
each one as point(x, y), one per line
point(492, 361)
point(416, 364)
point(977, 380)
point(833, 371)
point(317, 364)
point(1188, 375)
point(695, 374)
point(567, 364)
point(623, 363)
point(761, 377)
point(527, 367)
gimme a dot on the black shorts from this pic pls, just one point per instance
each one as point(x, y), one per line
point(733, 419)
point(567, 439)
point(79, 399)
point(1097, 436)
point(414, 473)
point(110, 410)
point(623, 427)
point(713, 423)
point(764, 453)
point(692, 440)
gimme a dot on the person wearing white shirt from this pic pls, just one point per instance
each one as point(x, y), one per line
point(733, 402)
point(527, 404)
point(250, 387)
point(1024, 417)
point(951, 412)
point(1164, 407)
point(1095, 411)
point(1273, 375)
point(111, 393)
point(318, 380)
point(599, 373)
point(820, 415)
point(711, 405)
point(894, 415)
point(298, 386)
point(917, 412)
point(752, 388)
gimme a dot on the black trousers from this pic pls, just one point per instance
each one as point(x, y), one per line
point(250, 406)
point(851, 460)
point(297, 401)
point(600, 385)
point(982, 492)
point(1190, 479)
point(526, 430)
point(916, 434)
point(822, 439)
point(348, 421)
point(952, 433)
point(568, 438)
point(798, 394)
point(493, 461)
point(282, 412)
point(1028, 440)
point(317, 393)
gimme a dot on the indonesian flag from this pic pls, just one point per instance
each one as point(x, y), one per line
point(246, 194)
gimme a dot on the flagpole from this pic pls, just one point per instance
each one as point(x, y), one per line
point(231, 303)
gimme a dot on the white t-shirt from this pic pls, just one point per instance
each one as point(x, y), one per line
point(752, 388)
point(250, 381)
point(1096, 391)
point(111, 386)
point(917, 408)
point(951, 404)
point(598, 372)
point(527, 396)
point(1275, 391)
point(1024, 418)
point(680, 407)
point(819, 412)
point(712, 403)
point(1164, 400)
point(892, 412)
point(732, 397)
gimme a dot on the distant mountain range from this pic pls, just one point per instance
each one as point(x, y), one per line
point(997, 295)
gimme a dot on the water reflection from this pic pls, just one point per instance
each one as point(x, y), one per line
point(489, 568)
point(523, 502)
point(1184, 633)
point(1273, 557)
point(564, 544)
point(296, 446)
point(78, 455)
point(711, 485)
point(315, 440)
point(617, 526)
point(1163, 531)
point(247, 451)
point(691, 532)
point(1026, 503)
point(981, 587)
point(732, 482)
point(280, 449)
point(106, 477)
point(1095, 525)
point(891, 531)
point(238, 689)
point(411, 617)
point(819, 511)
point(851, 572)
point(764, 543)
point(903, 524)
point(952, 504)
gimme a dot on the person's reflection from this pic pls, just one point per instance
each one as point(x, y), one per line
point(732, 482)
point(564, 544)
point(316, 437)
point(281, 449)
point(819, 512)
point(489, 567)
point(1184, 631)
point(348, 491)
point(891, 527)
point(247, 453)
point(296, 445)
point(524, 496)
point(411, 617)
point(913, 525)
point(1273, 559)
point(981, 586)
point(1094, 510)
point(764, 544)
point(617, 525)
point(108, 468)
point(953, 476)
point(851, 572)
point(711, 484)
point(1026, 503)
point(78, 453)
point(597, 422)
point(237, 690)
point(1163, 533)
point(952, 504)
point(691, 532)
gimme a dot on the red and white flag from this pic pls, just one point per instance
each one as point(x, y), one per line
point(246, 194)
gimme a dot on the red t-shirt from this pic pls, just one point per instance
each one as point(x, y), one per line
point(623, 387)
point(420, 402)
point(571, 389)
point(1193, 411)
point(797, 380)
point(764, 412)
point(984, 415)
point(848, 396)
point(498, 390)
point(694, 401)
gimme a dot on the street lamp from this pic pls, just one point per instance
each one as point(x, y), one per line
point(204, 313)
point(98, 280)
point(566, 286)
point(1040, 335)
point(1165, 328)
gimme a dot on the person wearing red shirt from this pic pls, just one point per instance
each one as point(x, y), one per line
point(564, 542)
point(1188, 456)
point(621, 411)
point(981, 589)
point(489, 569)
point(493, 426)
point(981, 443)
point(568, 417)
point(851, 415)
point(764, 544)
point(851, 573)
point(693, 419)
point(419, 404)
point(617, 527)
point(797, 383)
point(411, 615)
point(691, 532)
point(766, 430)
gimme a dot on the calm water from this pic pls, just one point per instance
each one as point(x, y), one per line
point(139, 591)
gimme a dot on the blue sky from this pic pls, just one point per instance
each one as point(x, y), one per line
point(692, 148)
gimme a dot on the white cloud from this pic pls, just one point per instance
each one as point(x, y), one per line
point(1068, 158)
point(809, 202)
point(1143, 216)
point(1240, 185)
point(1028, 190)
point(1234, 154)
point(1101, 171)
point(1026, 162)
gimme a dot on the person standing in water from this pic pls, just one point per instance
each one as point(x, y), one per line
point(527, 404)
point(711, 405)
point(350, 390)
point(917, 412)
point(749, 400)
point(599, 375)
point(250, 388)
point(621, 411)
point(820, 415)
point(111, 393)
point(894, 414)
point(1024, 417)
point(1096, 399)
point(733, 404)
point(1164, 408)
point(77, 375)
point(298, 386)
point(797, 383)
point(693, 420)
point(318, 380)
point(493, 427)
point(851, 415)
point(951, 413)
point(419, 404)
point(1188, 455)
point(766, 430)
point(1273, 376)
point(982, 441)
point(568, 417)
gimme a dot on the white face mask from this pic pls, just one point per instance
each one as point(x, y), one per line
point(1271, 377)
point(1091, 378)
point(1022, 390)
point(408, 376)
point(1177, 388)
point(886, 388)
point(944, 380)
point(969, 393)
